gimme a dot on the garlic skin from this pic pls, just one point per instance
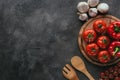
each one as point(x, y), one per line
point(93, 3)
point(103, 7)
point(83, 17)
point(92, 12)
point(82, 7)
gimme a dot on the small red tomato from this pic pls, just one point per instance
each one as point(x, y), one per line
point(89, 35)
point(104, 56)
point(103, 42)
point(117, 78)
point(92, 49)
point(99, 26)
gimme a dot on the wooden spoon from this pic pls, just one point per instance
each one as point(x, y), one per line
point(78, 64)
point(69, 72)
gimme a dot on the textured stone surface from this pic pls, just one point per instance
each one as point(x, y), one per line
point(38, 37)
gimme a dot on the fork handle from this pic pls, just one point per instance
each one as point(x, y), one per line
point(88, 74)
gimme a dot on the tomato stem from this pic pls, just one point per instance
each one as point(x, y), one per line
point(90, 35)
point(117, 49)
point(105, 57)
point(93, 49)
point(99, 25)
point(104, 41)
point(116, 28)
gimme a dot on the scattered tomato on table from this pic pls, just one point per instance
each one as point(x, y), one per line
point(112, 73)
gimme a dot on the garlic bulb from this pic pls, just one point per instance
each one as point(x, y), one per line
point(83, 17)
point(103, 7)
point(92, 12)
point(82, 7)
point(93, 3)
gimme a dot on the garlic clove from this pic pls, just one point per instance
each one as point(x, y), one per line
point(92, 12)
point(93, 3)
point(82, 7)
point(83, 17)
point(103, 7)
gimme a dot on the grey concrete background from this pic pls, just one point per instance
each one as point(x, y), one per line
point(38, 37)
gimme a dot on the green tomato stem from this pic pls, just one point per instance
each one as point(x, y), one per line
point(105, 41)
point(99, 25)
point(116, 28)
point(116, 50)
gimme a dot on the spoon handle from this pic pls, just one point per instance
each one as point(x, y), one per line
point(76, 78)
point(88, 74)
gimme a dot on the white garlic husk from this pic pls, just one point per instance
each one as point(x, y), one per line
point(92, 12)
point(83, 17)
point(93, 3)
point(103, 7)
point(83, 7)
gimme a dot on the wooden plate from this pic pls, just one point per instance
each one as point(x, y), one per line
point(88, 25)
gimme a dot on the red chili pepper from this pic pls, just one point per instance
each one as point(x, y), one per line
point(114, 49)
point(114, 30)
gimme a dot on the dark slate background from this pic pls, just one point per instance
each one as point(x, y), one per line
point(38, 37)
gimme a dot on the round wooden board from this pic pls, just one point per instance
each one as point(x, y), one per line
point(89, 25)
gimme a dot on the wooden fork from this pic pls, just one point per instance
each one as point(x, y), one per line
point(69, 73)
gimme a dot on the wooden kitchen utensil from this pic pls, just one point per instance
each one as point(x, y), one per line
point(78, 64)
point(69, 72)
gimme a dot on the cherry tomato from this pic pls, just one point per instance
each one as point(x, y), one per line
point(104, 56)
point(99, 26)
point(103, 42)
point(89, 35)
point(92, 49)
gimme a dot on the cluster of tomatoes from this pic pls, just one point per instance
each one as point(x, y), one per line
point(103, 41)
point(112, 73)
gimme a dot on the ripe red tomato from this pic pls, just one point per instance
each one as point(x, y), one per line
point(104, 56)
point(99, 26)
point(92, 49)
point(89, 35)
point(103, 42)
